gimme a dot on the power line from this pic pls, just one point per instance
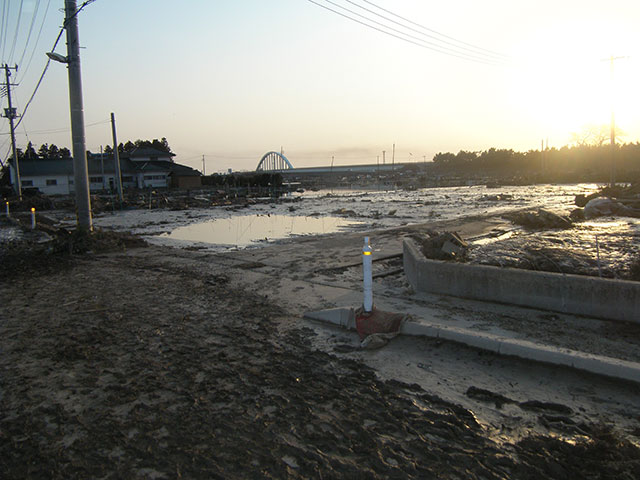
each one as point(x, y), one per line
point(33, 21)
point(67, 129)
point(15, 35)
point(427, 44)
point(435, 31)
point(455, 43)
point(35, 46)
point(5, 23)
point(409, 38)
point(46, 67)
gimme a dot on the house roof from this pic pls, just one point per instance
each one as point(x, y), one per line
point(95, 166)
point(183, 171)
point(45, 167)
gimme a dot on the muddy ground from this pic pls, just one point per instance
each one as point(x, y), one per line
point(138, 364)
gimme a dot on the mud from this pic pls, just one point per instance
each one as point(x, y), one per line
point(608, 248)
point(126, 365)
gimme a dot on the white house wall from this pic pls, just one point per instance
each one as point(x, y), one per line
point(61, 186)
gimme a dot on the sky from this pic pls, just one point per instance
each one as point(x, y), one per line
point(234, 79)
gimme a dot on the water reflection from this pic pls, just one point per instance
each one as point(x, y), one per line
point(246, 230)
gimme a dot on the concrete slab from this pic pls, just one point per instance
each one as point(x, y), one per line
point(599, 365)
point(605, 298)
point(345, 317)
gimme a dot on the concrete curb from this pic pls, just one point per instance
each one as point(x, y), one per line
point(596, 364)
point(574, 294)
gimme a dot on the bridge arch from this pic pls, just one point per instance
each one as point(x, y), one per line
point(273, 162)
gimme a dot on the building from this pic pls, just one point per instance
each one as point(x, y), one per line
point(142, 168)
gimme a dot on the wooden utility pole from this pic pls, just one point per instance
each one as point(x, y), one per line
point(11, 114)
point(203, 166)
point(80, 169)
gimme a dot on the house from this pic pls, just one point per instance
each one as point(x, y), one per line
point(142, 168)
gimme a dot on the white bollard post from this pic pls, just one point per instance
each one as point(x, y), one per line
point(7, 209)
point(368, 280)
point(33, 218)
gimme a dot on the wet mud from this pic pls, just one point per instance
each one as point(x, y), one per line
point(121, 366)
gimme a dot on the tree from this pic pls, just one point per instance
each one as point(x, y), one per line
point(594, 135)
point(65, 152)
point(108, 150)
point(161, 145)
point(54, 151)
point(444, 158)
point(43, 151)
point(30, 152)
point(130, 146)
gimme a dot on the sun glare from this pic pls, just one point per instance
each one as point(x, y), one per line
point(564, 82)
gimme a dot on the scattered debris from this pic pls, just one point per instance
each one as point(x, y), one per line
point(540, 219)
point(500, 197)
point(443, 246)
point(599, 207)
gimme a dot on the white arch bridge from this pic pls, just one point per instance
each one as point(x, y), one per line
point(273, 162)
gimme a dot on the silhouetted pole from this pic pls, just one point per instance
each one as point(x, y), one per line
point(393, 157)
point(10, 113)
point(613, 131)
point(80, 170)
point(613, 123)
point(116, 157)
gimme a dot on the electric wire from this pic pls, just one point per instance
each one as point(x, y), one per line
point(33, 21)
point(435, 35)
point(35, 46)
point(435, 31)
point(428, 44)
point(5, 24)
point(409, 38)
point(17, 31)
point(46, 66)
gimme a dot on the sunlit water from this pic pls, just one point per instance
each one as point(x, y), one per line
point(316, 213)
point(246, 230)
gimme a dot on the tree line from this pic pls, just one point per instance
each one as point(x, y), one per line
point(53, 152)
point(588, 162)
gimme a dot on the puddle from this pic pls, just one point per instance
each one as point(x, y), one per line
point(246, 230)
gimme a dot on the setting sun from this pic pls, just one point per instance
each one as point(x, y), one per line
point(564, 80)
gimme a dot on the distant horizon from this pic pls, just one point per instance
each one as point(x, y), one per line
point(234, 80)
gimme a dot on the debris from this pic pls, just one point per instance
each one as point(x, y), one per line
point(496, 198)
point(444, 246)
point(290, 461)
point(541, 219)
point(488, 396)
point(377, 321)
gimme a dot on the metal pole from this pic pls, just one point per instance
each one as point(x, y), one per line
point(104, 184)
point(393, 157)
point(116, 157)
point(367, 276)
point(80, 170)
point(11, 114)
